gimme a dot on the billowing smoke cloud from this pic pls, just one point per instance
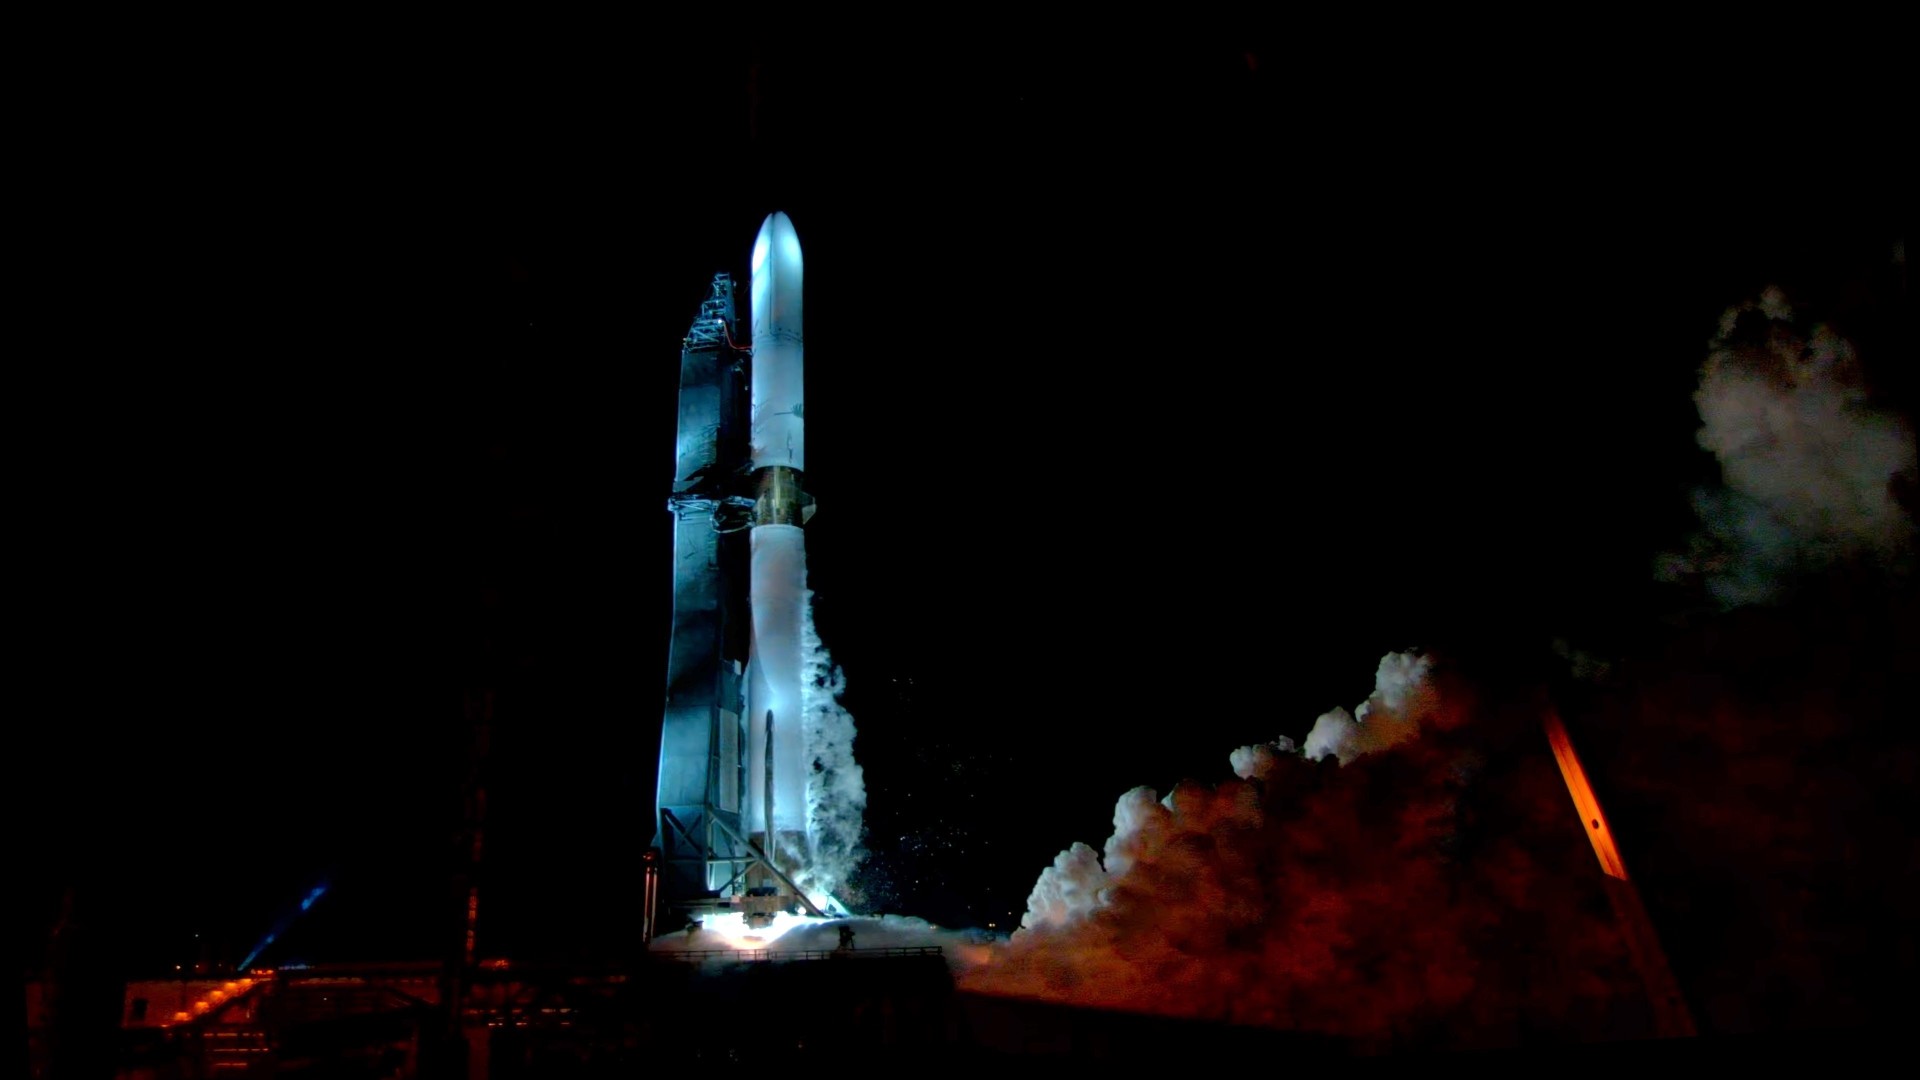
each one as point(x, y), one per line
point(836, 788)
point(1401, 700)
point(1764, 777)
point(1382, 898)
point(1808, 466)
point(1261, 761)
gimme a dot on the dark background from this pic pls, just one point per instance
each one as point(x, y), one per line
point(1156, 390)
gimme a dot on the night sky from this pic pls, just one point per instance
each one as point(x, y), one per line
point(1155, 392)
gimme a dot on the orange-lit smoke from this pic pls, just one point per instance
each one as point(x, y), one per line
point(1763, 775)
point(1430, 891)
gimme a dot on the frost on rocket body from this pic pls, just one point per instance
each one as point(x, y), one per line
point(1334, 898)
point(1809, 466)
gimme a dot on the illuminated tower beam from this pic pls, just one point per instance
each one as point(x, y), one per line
point(1670, 1015)
point(703, 732)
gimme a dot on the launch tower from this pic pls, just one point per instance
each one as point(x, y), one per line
point(730, 808)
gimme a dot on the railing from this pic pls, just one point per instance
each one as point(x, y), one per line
point(696, 956)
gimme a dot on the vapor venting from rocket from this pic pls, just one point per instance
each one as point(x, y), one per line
point(836, 788)
point(1808, 464)
point(1380, 898)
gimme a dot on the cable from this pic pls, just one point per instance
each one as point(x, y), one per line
point(736, 346)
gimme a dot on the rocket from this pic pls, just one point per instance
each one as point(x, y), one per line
point(778, 569)
point(731, 805)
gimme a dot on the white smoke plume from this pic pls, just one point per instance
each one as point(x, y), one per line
point(1334, 898)
point(1068, 890)
point(836, 787)
point(1808, 465)
point(1258, 762)
point(1401, 699)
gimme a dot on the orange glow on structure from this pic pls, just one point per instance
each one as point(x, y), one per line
point(1671, 1018)
point(226, 991)
point(1598, 831)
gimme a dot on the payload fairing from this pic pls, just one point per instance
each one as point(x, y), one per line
point(731, 806)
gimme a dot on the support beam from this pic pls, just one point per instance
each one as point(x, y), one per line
point(778, 874)
point(1671, 1018)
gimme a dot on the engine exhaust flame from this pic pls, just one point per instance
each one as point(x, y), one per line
point(730, 930)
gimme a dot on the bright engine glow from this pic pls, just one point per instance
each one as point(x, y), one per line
point(733, 930)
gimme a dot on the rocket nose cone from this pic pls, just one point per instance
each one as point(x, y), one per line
point(776, 240)
point(777, 224)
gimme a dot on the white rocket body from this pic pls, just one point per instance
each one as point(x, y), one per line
point(779, 349)
point(778, 577)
